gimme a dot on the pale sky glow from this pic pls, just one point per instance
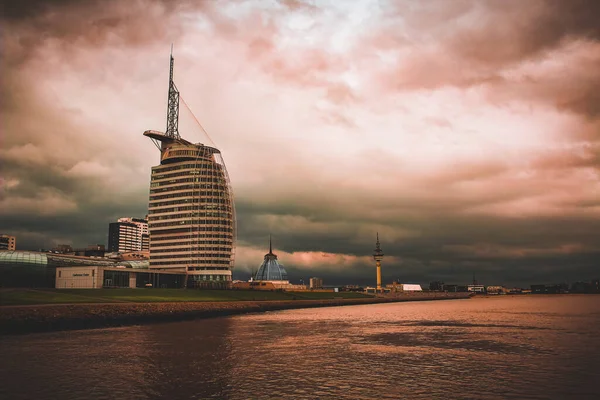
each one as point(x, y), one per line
point(438, 123)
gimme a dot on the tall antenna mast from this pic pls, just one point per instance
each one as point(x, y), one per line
point(173, 106)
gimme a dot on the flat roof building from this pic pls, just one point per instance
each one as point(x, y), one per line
point(38, 269)
point(123, 237)
point(128, 234)
point(316, 283)
point(96, 277)
point(8, 242)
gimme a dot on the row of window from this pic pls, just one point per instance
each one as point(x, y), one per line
point(186, 262)
point(211, 277)
point(214, 181)
point(211, 173)
point(189, 201)
point(218, 174)
point(190, 235)
point(218, 190)
point(190, 153)
point(194, 207)
point(159, 169)
point(193, 256)
point(208, 268)
point(156, 245)
point(221, 200)
point(192, 246)
point(220, 222)
point(168, 234)
point(226, 218)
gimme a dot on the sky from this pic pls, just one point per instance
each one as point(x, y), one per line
point(465, 132)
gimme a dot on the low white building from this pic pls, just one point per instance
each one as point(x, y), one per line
point(476, 288)
point(411, 287)
point(396, 287)
point(92, 277)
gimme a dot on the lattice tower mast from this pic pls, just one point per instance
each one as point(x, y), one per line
point(172, 106)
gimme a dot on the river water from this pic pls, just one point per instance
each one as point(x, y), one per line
point(528, 347)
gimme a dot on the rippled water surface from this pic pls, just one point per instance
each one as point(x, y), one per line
point(532, 347)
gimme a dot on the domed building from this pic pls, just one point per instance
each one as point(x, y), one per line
point(271, 270)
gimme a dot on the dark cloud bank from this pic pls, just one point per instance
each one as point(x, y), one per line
point(47, 200)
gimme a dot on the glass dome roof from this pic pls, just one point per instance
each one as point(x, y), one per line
point(136, 264)
point(270, 269)
point(23, 257)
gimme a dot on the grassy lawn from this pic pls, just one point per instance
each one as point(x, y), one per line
point(54, 296)
point(25, 297)
point(329, 295)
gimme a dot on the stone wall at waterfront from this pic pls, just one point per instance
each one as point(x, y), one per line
point(44, 318)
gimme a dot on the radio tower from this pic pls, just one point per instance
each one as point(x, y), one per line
point(173, 106)
point(378, 256)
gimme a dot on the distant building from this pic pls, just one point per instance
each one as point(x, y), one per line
point(38, 269)
point(437, 286)
point(142, 225)
point(128, 234)
point(316, 283)
point(63, 249)
point(596, 286)
point(495, 290)
point(476, 288)
point(146, 242)
point(271, 275)
point(585, 287)
point(404, 287)
point(411, 287)
point(550, 289)
point(97, 277)
point(271, 270)
point(94, 250)
point(352, 288)
point(123, 237)
point(8, 242)
point(455, 288)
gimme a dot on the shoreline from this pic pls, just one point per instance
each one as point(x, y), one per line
point(19, 320)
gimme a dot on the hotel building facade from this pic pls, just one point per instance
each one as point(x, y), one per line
point(128, 234)
point(8, 242)
point(191, 213)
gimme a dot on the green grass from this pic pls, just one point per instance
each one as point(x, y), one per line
point(329, 295)
point(64, 296)
point(27, 297)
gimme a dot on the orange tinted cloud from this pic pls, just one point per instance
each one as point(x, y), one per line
point(451, 123)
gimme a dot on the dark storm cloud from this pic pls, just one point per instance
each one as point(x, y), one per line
point(65, 179)
point(469, 44)
point(502, 31)
point(512, 31)
point(435, 244)
point(49, 189)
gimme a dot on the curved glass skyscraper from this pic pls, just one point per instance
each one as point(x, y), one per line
point(191, 214)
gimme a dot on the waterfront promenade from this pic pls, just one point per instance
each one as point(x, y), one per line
point(28, 318)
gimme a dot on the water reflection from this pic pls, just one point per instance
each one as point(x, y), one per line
point(188, 360)
point(534, 347)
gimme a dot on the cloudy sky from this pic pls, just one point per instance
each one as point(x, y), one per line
point(467, 133)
